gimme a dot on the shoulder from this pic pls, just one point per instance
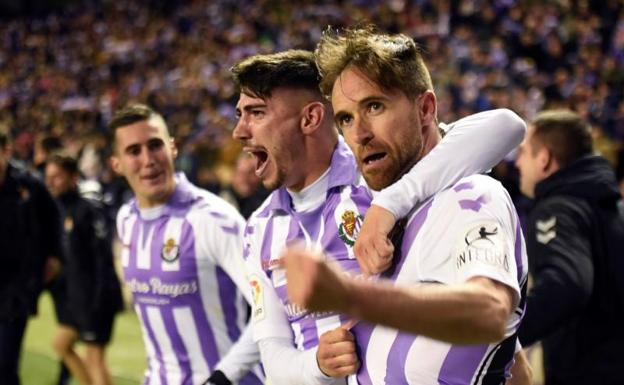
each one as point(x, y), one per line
point(475, 192)
point(207, 208)
point(569, 212)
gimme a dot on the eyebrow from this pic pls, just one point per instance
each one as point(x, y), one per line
point(361, 103)
point(250, 107)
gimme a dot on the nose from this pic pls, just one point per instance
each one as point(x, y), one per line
point(362, 132)
point(146, 156)
point(240, 132)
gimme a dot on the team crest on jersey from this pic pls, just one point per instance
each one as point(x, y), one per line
point(349, 229)
point(170, 251)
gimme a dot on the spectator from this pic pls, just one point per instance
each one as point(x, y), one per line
point(575, 240)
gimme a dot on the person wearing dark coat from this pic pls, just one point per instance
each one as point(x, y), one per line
point(87, 293)
point(30, 250)
point(575, 245)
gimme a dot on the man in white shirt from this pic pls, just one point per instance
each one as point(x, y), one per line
point(320, 201)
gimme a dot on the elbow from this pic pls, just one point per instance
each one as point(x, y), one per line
point(493, 322)
point(512, 124)
point(489, 322)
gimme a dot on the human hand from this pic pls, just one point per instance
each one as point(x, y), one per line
point(312, 283)
point(521, 371)
point(372, 248)
point(336, 355)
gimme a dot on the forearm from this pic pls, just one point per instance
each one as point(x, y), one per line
point(462, 314)
point(240, 358)
point(474, 145)
point(285, 365)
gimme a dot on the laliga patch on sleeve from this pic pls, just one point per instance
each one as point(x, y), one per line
point(257, 294)
point(483, 244)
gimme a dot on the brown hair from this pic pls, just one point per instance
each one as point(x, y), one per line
point(131, 114)
point(564, 133)
point(259, 75)
point(394, 62)
point(67, 162)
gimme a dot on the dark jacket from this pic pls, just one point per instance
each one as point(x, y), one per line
point(88, 272)
point(30, 232)
point(575, 244)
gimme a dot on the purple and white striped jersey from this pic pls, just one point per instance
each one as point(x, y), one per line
point(182, 262)
point(331, 227)
point(469, 230)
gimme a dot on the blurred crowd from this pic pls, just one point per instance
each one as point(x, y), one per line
point(63, 74)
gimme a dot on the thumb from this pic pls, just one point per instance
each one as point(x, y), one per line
point(349, 324)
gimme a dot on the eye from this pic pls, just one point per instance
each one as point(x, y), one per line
point(155, 145)
point(257, 113)
point(343, 121)
point(374, 107)
point(133, 150)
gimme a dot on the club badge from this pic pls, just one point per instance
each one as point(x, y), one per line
point(170, 251)
point(349, 229)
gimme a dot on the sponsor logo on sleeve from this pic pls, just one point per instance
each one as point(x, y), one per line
point(483, 244)
point(258, 312)
point(546, 230)
point(349, 228)
point(170, 251)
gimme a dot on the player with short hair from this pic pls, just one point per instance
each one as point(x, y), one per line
point(287, 125)
point(449, 309)
point(181, 257)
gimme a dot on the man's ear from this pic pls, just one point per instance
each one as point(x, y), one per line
point(115, 164)
point(174, 148)
point(545, 160)
point(428, 108)
point(312, 117)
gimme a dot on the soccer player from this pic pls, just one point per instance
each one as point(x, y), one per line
point(287, 125)
point(88, 294)
point(450, 308)
point(182, 259)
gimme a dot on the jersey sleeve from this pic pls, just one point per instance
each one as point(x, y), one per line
point(472, 145)
point(268, 317)
point(477, 235)
point(221, 242)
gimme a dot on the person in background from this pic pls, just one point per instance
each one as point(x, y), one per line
point(30, 240)
point(575, 243)
point(88, 294)
point(182, 260)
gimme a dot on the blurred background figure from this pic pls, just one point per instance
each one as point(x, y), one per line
point(30, 244)
point(87, 293)
point(246, 191)
point(575, 240)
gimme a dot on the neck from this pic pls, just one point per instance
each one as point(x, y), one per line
point(430, 140)
point(318, 156)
